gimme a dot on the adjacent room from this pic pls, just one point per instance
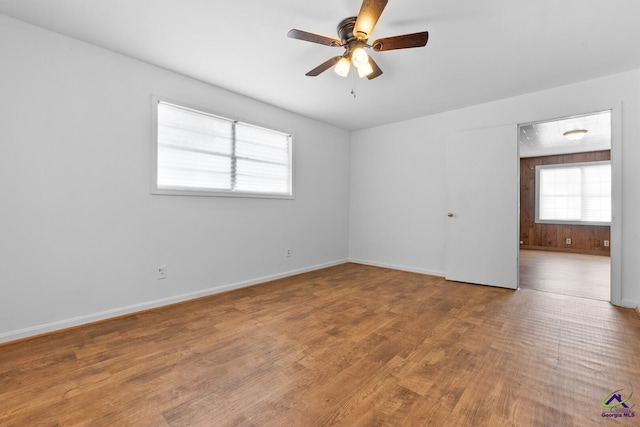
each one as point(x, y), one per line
point(289, 213)
point(565, 206)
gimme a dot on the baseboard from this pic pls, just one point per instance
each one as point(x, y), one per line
point(398, 267)
point(565, 250)
point(627, 303)
point(136, 308)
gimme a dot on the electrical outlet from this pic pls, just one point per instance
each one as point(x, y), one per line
point(162, 272)
point(606, 243)
point(568, 241)
point(287, 252)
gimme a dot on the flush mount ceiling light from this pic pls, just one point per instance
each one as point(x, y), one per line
point(576, 134)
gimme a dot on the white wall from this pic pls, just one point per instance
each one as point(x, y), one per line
point(81, 236)
point(397, 200)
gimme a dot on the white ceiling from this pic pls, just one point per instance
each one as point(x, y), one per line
point(478, 50)
point(547, 138)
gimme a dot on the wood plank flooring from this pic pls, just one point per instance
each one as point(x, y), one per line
point(351, 345)
point(587, 276)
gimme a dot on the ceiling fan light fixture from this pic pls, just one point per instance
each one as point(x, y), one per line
point(342, 67)
point(359, 57)
point(353, 33)
point(364, 70)
point(575, 134)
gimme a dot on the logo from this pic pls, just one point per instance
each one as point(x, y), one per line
point(616, 405)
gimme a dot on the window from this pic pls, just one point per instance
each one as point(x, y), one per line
point(575, 193)
point(198, 153)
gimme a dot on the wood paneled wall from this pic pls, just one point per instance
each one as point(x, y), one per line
point(587, 239)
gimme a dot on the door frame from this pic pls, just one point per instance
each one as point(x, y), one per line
point(616, 195)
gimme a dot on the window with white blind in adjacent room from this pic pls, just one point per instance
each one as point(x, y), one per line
point(574, 193)
point(199, 153)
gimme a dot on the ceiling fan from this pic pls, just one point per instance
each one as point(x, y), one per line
point(354, 34)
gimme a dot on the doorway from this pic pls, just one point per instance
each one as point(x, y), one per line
point(565, 205)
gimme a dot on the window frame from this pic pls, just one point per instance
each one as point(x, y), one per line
point(155, 100)
point(566, 222)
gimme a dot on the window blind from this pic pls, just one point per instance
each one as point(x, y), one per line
point(197, 151)
point(262, 160)
point(574, 193)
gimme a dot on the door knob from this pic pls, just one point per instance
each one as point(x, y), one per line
point(449, 214)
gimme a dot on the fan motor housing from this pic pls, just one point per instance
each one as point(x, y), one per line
point(345, 30)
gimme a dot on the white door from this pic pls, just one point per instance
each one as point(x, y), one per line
point(482, 168)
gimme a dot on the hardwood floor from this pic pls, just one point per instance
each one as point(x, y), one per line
point(587, 276)
point(351, 345)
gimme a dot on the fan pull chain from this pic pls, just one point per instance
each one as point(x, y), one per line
point(353, 83)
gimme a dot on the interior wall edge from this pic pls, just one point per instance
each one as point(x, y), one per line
point(398, 267)
point(60, 325)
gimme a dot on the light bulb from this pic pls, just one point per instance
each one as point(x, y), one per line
point(342, 67)
point(365, 70)
point(359, 57)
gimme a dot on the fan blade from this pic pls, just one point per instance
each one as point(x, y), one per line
point(324, 66)
point(401, 42)
point(376, 70)
point(314, 38)
point(368, 16)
